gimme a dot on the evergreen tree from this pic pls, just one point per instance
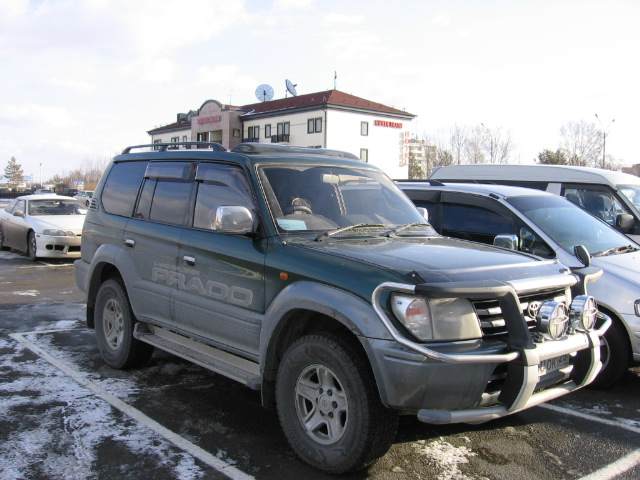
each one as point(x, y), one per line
point(13, 172)
point(547, 157)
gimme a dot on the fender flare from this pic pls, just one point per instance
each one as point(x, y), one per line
point(351, 311)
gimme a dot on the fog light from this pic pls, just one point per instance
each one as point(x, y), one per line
point(552, 319)
point(583, 313)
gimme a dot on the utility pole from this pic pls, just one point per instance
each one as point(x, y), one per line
point(604, 138)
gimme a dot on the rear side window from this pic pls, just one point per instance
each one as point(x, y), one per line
point(166, 193)
point(121, 189)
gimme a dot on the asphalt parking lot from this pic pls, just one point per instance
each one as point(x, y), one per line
point(65, 415)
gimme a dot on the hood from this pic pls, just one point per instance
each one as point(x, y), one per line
point(61, 222)
point(625, 265)
point(439, 259)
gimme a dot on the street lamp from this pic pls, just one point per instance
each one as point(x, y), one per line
point(604, 138)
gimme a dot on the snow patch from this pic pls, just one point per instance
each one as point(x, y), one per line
point(447, 458)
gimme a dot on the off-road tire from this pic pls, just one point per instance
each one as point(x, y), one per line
point(335, 379)
point(114, 322)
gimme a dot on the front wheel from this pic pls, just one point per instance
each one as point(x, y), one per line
point(114, 322)
point(329, 406)
point(615, 354)
point(32, 246)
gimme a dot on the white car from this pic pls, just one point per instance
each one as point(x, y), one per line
point(43, 226)
point(84, 197)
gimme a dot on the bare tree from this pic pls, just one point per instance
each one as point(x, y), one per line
point(581, 143)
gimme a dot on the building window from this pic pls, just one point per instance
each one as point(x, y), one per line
point(283, 132)
point(364, 128)
point(156, 148)
point(175, 140)
point(184, 138)
point(267, 131)
point(314, 125)
point(364, 154)
point(253, 134)
point(236, 132)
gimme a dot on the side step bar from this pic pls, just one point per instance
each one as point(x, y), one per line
point(224, 363)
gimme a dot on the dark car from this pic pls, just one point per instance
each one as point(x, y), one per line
point(308, 275)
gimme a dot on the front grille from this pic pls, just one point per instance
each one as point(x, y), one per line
point(492, 321)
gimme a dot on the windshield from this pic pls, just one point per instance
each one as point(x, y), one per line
point(327, 198)
point(55, 207)
point(569, 225)
point(632, 192)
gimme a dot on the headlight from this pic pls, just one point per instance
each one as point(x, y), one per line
point(583, 313)
point(437, 319)
point(636, 307)
point(552, 319)
point(58, 233)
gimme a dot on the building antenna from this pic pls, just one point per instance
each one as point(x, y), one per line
point(335, 80)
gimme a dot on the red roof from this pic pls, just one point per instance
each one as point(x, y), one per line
point(329, 97)
point(181, 125)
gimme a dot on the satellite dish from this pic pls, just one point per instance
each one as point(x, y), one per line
point(291, 88)
point(264, 92)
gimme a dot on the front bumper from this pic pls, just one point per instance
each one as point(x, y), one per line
point(477, 381)
point(57, 247)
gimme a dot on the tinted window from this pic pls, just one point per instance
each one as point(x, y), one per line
point(219, 185)
point(474, 220)
point(121, 189)
point(170, 201)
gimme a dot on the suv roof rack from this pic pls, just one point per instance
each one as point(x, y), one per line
point(162, 147)
point(268, 148)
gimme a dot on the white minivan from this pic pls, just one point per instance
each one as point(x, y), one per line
point(612, 196)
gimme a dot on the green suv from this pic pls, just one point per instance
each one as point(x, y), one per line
point(308, 275)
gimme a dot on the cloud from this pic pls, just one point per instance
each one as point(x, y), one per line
point(342, 19)
point(35, 115)
point(12, 9)
point(293, 4)
point(441, 20)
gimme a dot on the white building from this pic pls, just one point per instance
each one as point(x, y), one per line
point(378, 134)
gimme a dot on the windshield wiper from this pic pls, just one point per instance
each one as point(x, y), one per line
point(331, 233)
point(616, 250)
point(406, 226)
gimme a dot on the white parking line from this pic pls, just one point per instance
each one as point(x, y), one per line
point(616, 468)
point(180, 442)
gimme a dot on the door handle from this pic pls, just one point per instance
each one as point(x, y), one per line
point(130, 242)
point(189, 260)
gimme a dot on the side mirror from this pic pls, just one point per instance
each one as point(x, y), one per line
point(582, 254)
point(625, 222)
point(18, 213)
point(234, 219)
point(505, 240)
point(425, 213)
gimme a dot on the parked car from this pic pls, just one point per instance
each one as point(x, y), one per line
point(612, 196)
point(84, 197)
point(43, 226)
point(549, 226)
point(69, 192)
point(306, 274)
point(43, 191)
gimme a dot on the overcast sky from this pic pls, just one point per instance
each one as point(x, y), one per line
point(82, 79)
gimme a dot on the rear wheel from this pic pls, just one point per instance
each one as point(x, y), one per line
point(114, 322)
point(614, 353)
point(2, 247)
point(329, 406)
point(32, 246)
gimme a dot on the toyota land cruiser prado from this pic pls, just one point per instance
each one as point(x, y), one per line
point(308, 275)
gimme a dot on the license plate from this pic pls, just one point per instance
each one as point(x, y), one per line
point(553, 364)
